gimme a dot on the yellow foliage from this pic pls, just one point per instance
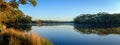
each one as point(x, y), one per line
point(20, 38)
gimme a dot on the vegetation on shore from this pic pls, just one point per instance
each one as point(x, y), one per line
point(50, 21)
point(99, 18)
point(16, 37)
point(10, 14)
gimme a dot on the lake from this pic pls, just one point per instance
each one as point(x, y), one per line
point(70, 34)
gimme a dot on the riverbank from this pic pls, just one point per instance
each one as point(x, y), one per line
point(15, 37)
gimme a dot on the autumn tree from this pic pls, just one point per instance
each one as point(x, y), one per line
point(9, 11)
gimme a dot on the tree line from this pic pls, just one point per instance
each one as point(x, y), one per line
point(99, 18)
point(50, 21)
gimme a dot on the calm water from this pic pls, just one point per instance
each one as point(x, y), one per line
point(69, 34)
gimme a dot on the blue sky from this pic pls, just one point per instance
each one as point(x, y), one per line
point(66, 10)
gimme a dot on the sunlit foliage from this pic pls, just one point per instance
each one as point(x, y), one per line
point(15, 37)
point(10, 13)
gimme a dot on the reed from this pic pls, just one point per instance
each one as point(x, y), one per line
point(16, 37)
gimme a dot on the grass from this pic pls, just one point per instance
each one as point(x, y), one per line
point(15, 37)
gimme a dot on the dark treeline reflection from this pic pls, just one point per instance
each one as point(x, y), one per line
point(82, 28)
point(21, 27)
point(97, 29)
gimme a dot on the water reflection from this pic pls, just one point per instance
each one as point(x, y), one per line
point(75, 34)
point(82, 28)
point(29, 26)
point(97, 29)
point(26, 28)
point(79, 34)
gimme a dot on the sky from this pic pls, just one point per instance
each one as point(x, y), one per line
point(67, 10)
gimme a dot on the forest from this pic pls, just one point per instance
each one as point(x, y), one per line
point(99, 18)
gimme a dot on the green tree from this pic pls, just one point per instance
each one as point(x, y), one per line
point(99, 18)
point(26, 19)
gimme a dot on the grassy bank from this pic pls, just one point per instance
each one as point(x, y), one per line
point(15, 37)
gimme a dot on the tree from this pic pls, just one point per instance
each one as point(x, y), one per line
point(26, 19)
point(99, 18)
point(9, 11)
